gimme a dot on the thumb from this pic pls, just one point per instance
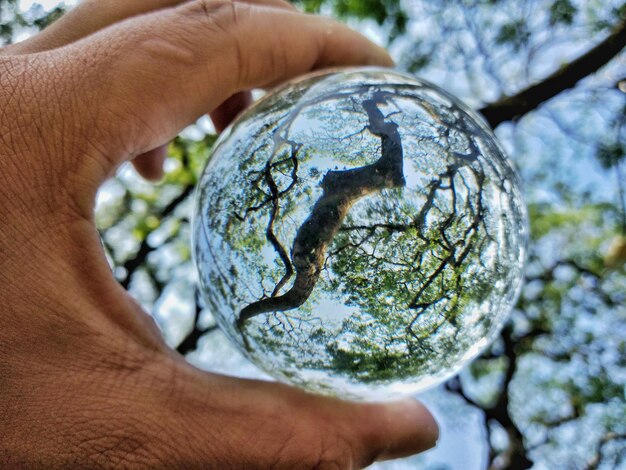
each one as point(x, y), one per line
point(147, 77)
point(277, 426)
point(399, 429)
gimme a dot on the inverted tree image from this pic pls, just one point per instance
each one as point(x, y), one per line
point(363, 226)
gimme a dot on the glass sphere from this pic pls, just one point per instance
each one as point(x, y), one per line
point(359, 233)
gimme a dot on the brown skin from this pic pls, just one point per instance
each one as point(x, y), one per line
point(85, 379)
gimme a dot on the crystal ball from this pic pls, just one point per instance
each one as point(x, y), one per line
point(359, 233)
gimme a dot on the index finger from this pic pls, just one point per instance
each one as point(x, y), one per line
point(90, 16)
point(148, 77)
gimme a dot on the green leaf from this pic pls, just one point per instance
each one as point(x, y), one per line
point(610, 154)
point(514, 33)
point(418, 62)
point(562, 11)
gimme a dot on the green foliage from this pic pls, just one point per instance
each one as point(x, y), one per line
point(384, 12)
point(562, 11)
point(611, 154)
point(145, 226)
point(514, 33)
point(418, 62)
point(13, 20)
point(544, 219)
point(371, 365)
point(48, 18)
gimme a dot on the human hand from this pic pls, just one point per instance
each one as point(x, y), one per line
point(85, 377)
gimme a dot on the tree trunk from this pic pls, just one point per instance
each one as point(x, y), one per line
point(341, 190)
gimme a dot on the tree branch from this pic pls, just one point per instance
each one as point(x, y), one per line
point(190, 342)
point(513, 107)
point(341, 190)
point(454, 385)
point(516, 455)
point(515, 458)
point(595, 462)
point(132, 264)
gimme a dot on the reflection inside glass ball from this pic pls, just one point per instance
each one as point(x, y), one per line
point(359, 233)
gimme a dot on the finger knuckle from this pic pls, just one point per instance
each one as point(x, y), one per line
point(220, 14)
point(226, 19)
